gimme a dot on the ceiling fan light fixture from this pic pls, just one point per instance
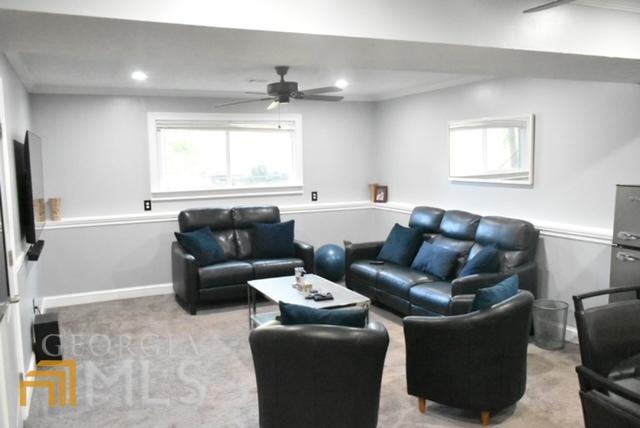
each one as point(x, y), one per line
point(341, 83)
point(283, 91)
point(283, 99)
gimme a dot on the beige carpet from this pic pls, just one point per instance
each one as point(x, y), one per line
point(146, 363)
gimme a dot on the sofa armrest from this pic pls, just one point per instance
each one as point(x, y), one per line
point(184, 273)
point(304, 251)
point(460, 304)
point(527, 276)
point(374, 325)
point(361, 251)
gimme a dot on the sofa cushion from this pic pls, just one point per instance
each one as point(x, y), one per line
point(273, 240)
point(291, 314)
point(270, 268)
point(244, 218)
point(202, 245)
point(459, 225)
point(439, 262)
point(433, 297)
point(365, 270)
point(516, 239)
point(428, 218)
point(401, 245)
point(244, 242)
point(227, 241)
point(487, 297)
point(461, 247)
point(225, 273)
point(486, 260)
point(196, 218)
point(398, 280)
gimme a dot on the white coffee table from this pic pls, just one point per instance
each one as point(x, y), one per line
point(280, 289)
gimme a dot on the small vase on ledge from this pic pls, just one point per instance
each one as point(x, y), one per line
point(55, 206)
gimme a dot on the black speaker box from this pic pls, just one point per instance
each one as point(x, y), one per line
point(46, 337)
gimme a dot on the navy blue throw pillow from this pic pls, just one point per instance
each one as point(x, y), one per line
point(486, 260)
point(291, 314)
point(273, 240)
point(202, 245)
point(487, 297)
point(401, 245)
point(435, 260)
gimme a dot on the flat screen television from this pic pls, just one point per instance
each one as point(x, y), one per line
point(29, 172)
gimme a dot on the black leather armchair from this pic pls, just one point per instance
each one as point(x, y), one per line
point(476, 361)
point(606, 403)
point(318, 375)
point(609, 335)
point(417, 293)
point(233, 230)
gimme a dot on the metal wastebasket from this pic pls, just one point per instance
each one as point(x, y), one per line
point(550, 323)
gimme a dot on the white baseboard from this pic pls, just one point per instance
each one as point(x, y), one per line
point(106, 295)
point(571, 335)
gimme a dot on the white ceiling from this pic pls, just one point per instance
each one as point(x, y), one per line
point(74, 54)
point(64, 54)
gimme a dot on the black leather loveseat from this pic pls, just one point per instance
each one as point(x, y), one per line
point(233, 230)
point(417, 293)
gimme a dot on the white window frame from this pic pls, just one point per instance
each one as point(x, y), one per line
point(482, 123)
point(161, 194)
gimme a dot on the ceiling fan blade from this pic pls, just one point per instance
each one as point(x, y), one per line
point(240, 102)
point(321, 98)
point(321, 90)
point(273, 105)
point(547, 6)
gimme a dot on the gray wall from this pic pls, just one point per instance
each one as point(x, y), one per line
point(96, 159)
point(587, 141)
point(96, 150)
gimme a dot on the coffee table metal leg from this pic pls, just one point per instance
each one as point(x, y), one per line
point(251, 295)
point(249, 304)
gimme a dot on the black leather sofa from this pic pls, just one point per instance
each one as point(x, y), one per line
point(417, 293)
point(233, 229)
point(319, 376)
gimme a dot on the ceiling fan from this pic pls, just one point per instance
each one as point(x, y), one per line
point(281, 92)
point(548, 5)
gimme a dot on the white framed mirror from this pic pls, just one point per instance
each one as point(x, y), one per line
point(492, 150)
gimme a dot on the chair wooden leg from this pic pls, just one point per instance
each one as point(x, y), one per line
point(422, 404)
point(485, 415)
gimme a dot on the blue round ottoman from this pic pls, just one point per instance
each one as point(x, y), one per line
point(329, 261)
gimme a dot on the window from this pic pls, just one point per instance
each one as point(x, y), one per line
point(225, 153)
point(496, 150)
